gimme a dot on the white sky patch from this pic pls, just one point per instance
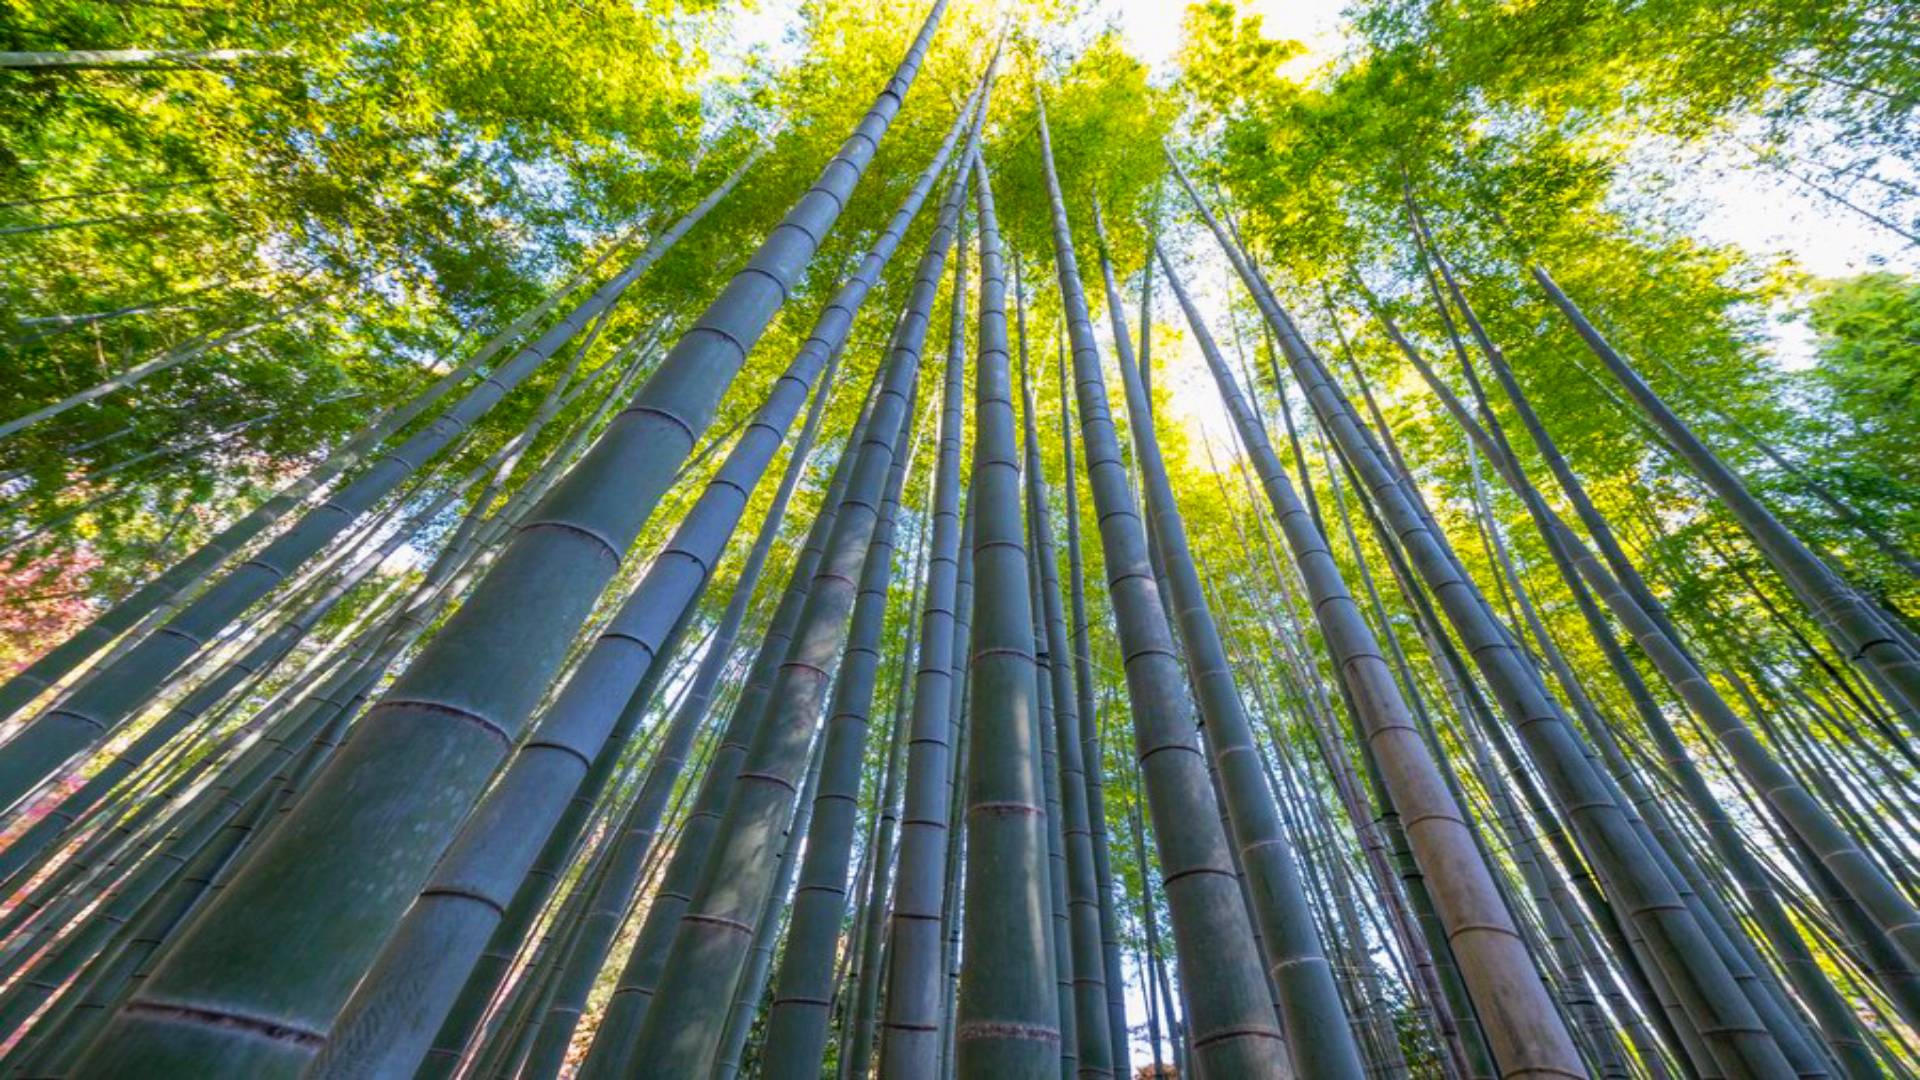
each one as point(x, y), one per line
point(1152, 27)
point(1770, 214)
point(759, 28)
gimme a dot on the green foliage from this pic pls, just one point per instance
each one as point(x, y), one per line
point(1108, 122)
point(372, 180)
point(1869, 366)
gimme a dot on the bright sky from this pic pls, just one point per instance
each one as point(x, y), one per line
point(1152, 27)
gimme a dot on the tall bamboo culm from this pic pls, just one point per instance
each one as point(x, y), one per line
point(1006, 1022)
point(1234, 1031)
point(1090, 996)
point(910, 1039)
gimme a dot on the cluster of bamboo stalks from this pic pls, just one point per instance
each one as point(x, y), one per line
point(253, 841)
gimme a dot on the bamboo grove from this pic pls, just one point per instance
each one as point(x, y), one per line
point(948, 555)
